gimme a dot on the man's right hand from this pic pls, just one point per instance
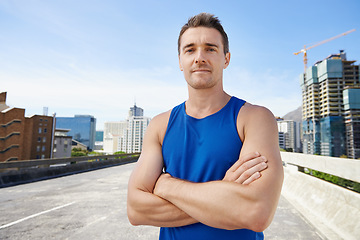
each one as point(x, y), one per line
point(247, 169)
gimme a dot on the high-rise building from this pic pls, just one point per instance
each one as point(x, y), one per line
point(352, 121)
point(126, 136)
point(113, 132)
point(322, 86)
point(132, 140)
point(99, 141)
point(24, 138)
point(282, 140)
point(114, 128)
point(287, 134)
point(82, 128)
point(136, 111)
point(99, 136)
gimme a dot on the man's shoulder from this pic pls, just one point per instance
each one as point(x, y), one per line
point(254, 111)
point(158, 124)
point(254, 116)
point(161, 118)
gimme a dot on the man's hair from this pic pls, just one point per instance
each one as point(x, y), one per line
point(205, 20)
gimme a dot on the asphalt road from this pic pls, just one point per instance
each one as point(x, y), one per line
point(92, 205)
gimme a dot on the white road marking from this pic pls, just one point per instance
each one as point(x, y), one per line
point(35, 215)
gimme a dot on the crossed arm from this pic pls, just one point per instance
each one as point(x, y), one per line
point(240, 200)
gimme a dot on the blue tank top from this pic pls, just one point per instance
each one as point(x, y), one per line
point(202, 150)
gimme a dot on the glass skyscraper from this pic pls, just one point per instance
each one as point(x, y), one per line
point(82, 128)
point(324, 106)
point(352, 121)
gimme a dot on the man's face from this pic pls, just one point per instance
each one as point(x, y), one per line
point(202, 57)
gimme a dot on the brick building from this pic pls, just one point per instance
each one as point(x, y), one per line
point(23, 138)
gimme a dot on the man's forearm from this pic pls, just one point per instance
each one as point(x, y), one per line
point(148, 209)
point(219, 204)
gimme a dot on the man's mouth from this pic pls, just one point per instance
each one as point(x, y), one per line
point(201, 70)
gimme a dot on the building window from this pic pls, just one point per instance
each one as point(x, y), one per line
point(39, 139)
point(38, 148)
point(42, 156)
point(45, 130)
point(43, 149)
point(39, 129)
point(44, 139)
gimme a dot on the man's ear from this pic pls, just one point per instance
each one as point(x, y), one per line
point(181, 68)
point(227, 59)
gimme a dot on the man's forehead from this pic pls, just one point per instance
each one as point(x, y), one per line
point(201, 35)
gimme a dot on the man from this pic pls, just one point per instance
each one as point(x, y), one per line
point(223, 171)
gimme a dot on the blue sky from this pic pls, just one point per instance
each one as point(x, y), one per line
point(98, 57)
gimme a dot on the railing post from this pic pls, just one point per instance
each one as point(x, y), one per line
point(301, 169)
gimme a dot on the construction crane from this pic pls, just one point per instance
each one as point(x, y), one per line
point(305, 49)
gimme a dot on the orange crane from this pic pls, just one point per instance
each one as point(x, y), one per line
point(304, 50)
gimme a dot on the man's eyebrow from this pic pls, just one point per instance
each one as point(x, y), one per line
point(207, 44)
point(212, 45)
point(188, 45)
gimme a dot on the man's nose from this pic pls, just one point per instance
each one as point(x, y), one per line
point(200, 58)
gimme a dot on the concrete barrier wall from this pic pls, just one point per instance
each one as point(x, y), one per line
point(25, 175)
point(332, 209)
point(341, 167)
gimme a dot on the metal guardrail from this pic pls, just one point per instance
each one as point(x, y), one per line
point(57, 161)
point(342, 167)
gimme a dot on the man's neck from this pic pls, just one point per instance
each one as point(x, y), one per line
point(205, 102)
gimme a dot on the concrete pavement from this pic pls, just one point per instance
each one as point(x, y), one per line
point(92, 205)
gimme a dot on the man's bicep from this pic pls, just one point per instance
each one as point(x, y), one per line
point(150, 163)
point(146, 172)
point(264, 139)
point(261, 135)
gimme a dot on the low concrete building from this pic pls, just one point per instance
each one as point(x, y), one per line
point(62, 144)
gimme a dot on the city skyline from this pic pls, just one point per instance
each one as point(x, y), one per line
point(96, 58)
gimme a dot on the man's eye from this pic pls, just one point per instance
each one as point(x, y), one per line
point(188, 50)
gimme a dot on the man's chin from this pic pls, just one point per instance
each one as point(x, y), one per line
point(201, 85)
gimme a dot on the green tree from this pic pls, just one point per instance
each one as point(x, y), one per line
point(120, 152)
point(78, 152)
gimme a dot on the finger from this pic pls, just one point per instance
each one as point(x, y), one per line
point(234, 174)
point(250, 167)
point(244, 159)
point(251, 179)
point(251, 171)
